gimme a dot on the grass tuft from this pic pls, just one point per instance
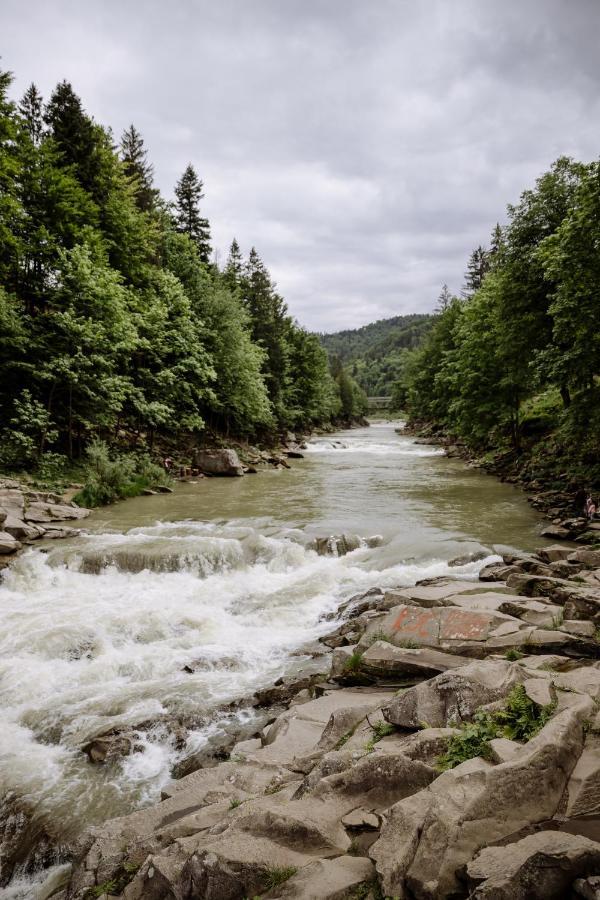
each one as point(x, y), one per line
point(278, 875)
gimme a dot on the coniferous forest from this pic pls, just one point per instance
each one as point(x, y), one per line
point(115, 321)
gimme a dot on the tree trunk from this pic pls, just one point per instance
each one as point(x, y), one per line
point(565, 395)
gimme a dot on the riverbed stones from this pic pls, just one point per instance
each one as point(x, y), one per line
point(540, 866)
point(341, 544)
point(583, 790)
point(553, 553)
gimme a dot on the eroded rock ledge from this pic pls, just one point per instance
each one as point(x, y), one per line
point(452, 752)
point(27, 516)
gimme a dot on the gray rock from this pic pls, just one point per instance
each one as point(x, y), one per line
point(327, 879)
point(455, 696)
point(553, 553)
point(218, 462)
point(541, 866)
point(385, 660)
point(8, 544)
point(427, 838)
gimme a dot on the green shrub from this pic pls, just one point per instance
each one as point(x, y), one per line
point(116, 477)
point(520, 720)
point(512, 655)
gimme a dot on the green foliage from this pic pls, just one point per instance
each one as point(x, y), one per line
point(278, 875)
point(115, 885)
point(515, 362)
point(519, 720)
point(353, 663)
point(113, 319)
point(513, 655)
point(234, 803)
point(474, 740)
point(522, 718)
point(117, 477)
point(368, 889)
point(376, 354)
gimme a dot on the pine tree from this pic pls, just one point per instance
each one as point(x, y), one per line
point(497, 240)
point(188, 192)
point(268, 321)
point(234, 266)
point(74, 133)
point(31, 110)
point(444, 299)
point(134, 157)
point(476, 271)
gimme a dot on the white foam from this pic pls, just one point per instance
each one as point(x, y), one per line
point(83, 653)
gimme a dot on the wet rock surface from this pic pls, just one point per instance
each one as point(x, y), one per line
point(450, 750)
point(27, 516)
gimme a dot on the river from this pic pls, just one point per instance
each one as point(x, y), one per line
point(95, 632)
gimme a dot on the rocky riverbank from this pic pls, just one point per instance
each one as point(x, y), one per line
point(27, 515)
point(451, 749)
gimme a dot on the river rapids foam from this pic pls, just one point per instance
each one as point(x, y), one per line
point(96, 635)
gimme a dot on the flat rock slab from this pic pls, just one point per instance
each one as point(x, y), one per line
point(435, 627)
point(328, 879)
point(385, 659)
point(432, 595)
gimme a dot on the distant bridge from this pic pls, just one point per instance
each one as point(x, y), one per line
point(379, 402)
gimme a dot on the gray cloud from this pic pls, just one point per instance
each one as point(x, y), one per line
point(364, 147)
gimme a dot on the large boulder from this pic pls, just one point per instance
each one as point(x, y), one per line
point(429, 837)
point(218, 462)
point(455, 696)
point(541, 866)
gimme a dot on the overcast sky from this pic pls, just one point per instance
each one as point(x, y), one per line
point(363, 146)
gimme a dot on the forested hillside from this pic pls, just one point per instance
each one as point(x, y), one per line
point(513, 364)
point(376, 354)
point(115, 323)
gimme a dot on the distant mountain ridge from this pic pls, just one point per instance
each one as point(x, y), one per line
point(375, 354)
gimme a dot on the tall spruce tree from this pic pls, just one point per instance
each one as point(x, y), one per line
point(476, 271)
point(31, 112)
point(188, 192)
point(134, 157)
point(74, 134)
point(234, 266)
